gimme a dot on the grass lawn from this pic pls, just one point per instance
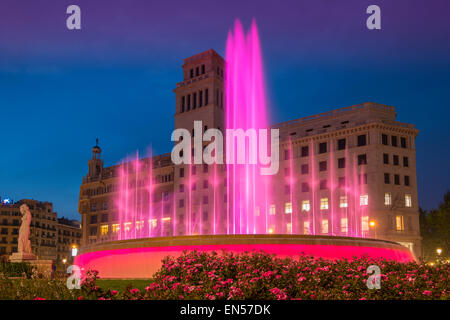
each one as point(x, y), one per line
point(120, 284)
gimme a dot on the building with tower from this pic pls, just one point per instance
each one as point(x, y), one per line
point(354, 171)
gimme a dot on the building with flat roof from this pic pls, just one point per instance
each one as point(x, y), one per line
point(354, 172)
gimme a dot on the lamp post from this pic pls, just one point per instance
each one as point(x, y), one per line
point(439, 252)
point(372, 224)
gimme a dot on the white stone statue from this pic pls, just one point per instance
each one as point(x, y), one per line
point(24, 231)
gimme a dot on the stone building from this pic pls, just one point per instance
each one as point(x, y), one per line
point(69, 237)
point(44, 229)
point(354, 170)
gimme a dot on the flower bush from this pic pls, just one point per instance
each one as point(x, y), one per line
point(257, 275)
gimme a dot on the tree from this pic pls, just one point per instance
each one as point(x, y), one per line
point(435, 230)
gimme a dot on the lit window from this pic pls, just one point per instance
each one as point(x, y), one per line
point(115, 228)
point(324, 226)
point(257, 211)
point(364, 200)
point(324, 204)
point(272, 210)
point(152, 223)
point(365, 224)
point(127, 226)
point(104, 230)
point(289, 227)
point(343, 203)
point(344, 225)
point(165, 219)
point(139, 225)
point(387, 199)
point(306, 227)
point(408, 201)
point(288, 207)
point(306, 205)
point(271, 229)
point(399, 225)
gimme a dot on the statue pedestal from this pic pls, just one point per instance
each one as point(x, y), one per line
point(43, 267)
point(22, 257)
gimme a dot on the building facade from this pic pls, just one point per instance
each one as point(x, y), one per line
point(353, 169)
point(69, 237)
point(44, 229)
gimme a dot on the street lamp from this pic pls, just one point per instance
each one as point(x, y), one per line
point(64, 260)
point(372, 224)
point(74, 250)
point(439, 251)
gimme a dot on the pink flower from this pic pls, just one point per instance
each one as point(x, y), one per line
point(427, 293)
point(114, 292)
point(39, 298)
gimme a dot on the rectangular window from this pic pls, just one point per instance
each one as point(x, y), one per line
point(385, 158)
point(406, 180)
point(127, 226)
point(341, 163)
point(287, 189)
point(197, 71)
point(287, 154)
point(408, 201)
point(200, 98)
point(194, 186)
point(205, 168)
point(104, 230)
point(362, 140)
point(362, 159)
point(181, 188)
point(363, 178)
point(181, 172)
point(305, 169)
point(306, 206)
point(93, 231)
point(387, 199)
point(115, 228)
point(399, 223)
point(305, 151)
point(306, 229)
point(322, 166)
point(344, 225)
point(324, 204)
point(405, 162)
point(181, 203)
point(365, 224)
point(395, 160)
point(183, 103)
point(324, 226)
point(192, 73)
point(394, 141)
point(93, 219)
point(272, 210)
point(341, 182)
point(194, 102)
point(403, 142)
point(288, 207)
point(305, 187)
point(384, 139)
point(205, 184)
point(205, 199)
point(341, 144)
point(387, 179)
point(343, 203)
point(396, 179)
point(323, 147)
point(364, 200)
point(203, 69)
point(206, 97)
point(289, 227)
point(323, 184)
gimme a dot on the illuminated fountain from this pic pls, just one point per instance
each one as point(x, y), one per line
point(149, 229)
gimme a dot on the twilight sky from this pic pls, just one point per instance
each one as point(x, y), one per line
point(60, 89)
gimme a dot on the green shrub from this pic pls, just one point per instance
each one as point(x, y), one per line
point(16, 269)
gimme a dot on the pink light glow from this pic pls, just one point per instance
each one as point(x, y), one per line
point(144, 262)
point(245, 108)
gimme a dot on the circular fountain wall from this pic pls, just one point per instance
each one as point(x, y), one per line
point(141, 258)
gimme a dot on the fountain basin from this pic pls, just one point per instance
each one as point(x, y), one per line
point(141, 258)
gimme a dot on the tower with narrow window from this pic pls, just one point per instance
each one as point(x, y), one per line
point(95, 164)
point(199, 97)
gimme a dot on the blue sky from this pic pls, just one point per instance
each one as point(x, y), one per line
point(61, 89)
